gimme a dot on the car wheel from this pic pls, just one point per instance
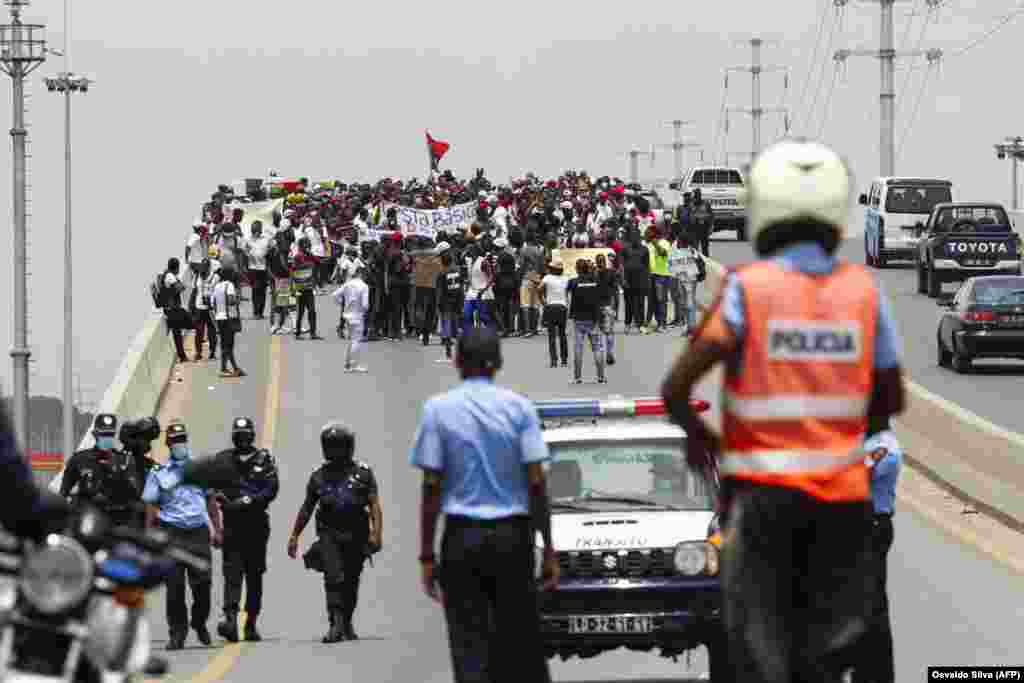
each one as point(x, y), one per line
point(920, 279)
point(741, 233)
point(879, 261)
point(943, 356)
point(961, 363)
point(934, 284)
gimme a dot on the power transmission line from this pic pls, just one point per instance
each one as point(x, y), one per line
point(812, 65)
point(996, 26)
point(917, 106)
point(836, 22)
point(828, 102)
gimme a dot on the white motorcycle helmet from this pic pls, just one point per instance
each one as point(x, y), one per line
point(797, 183)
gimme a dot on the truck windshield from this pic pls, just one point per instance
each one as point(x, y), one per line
point(916, 199)
point(655, 472)
point(985, 218)
point(717, 176)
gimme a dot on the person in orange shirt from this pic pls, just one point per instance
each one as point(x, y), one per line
point(811, 351)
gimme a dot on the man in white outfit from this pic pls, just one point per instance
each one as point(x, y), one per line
point(354, 299)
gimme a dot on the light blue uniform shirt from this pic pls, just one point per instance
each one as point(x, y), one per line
point(809, 257)
point(181, 505)
point(885, 472)
point(480, 437)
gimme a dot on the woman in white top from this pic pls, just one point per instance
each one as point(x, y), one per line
point(229, 319)
point(554, 297)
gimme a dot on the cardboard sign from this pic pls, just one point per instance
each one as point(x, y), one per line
point(570, 256)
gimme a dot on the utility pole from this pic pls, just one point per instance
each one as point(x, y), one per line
point(22, 50)
point(756, 111)
point(887, 54)
point(1013, 147)
point(678, 146)
point(67, 83)
point(634, 163)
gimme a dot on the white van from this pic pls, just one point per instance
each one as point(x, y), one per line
point(894, 210)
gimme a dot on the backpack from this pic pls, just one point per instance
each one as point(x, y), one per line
point(158, 290)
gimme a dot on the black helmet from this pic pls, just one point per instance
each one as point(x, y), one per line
point(105, 424)
point(338, 442)
point(148, 428)
point(176, 432)
point(129, 432)
point(243, 432)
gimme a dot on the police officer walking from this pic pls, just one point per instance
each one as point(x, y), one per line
point(246, 527)
point(187, 512)
point(105, 477)
point(811, 354)
point(885, 457)
point(482, 452)
point(702, 222)
point(349, 525)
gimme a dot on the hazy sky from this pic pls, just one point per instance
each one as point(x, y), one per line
point(190, 94)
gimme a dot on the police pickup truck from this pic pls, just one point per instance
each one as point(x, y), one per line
point(722, 189)
point(962, 240)
point(634, 531)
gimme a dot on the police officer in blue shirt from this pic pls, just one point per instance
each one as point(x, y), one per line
point(186, 512)
point(481, 451)
point(885, 457)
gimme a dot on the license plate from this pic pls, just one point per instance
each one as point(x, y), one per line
point(602, 624)
point(978, 262)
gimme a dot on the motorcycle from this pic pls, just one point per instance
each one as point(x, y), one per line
point(72, 606)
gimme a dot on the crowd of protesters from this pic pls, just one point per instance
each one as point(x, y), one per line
point(503, 269)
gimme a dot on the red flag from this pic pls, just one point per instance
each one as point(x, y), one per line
point(438, 149)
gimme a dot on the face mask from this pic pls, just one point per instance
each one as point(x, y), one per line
point(105, 443)
point(179, 452)
point(245, 457)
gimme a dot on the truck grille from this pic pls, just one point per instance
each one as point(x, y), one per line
point(631, 563)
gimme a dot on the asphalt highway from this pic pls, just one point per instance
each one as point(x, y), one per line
point(993, 389)
point(951, 605)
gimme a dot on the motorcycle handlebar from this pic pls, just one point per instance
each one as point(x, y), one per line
point(159, 541)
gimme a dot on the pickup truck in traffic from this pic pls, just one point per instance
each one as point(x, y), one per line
point(894, 209)
point(722, 188)
point(963, 240)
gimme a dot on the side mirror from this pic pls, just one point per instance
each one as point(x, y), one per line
point(944, 303)
point(673, 186)
point(863, 201)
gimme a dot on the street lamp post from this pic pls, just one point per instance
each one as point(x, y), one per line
point(1013, 148)
point(22, 50)
point(66, 83)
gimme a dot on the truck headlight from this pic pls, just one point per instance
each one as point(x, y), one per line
point(694, 558)
point(58, 576)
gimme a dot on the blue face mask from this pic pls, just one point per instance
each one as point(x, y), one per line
point(180, 452)
point(105, 443)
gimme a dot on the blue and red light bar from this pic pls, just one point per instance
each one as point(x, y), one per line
point(612, 407)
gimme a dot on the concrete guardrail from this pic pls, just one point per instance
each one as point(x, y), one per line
point(139, 383)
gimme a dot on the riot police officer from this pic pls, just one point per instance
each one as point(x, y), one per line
point(105, 477)
point(254, 485)
point(348, 525)
point(137, 437)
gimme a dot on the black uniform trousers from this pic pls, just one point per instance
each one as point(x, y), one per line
point(198, 541)
point(307, 302)
point(259, 280)
point(245, 560)
point(399, 309)
point(487, 576)
point(797, 582)
point(344, 555)
point(874, 662)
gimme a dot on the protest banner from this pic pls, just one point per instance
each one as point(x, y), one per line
point(428, 222)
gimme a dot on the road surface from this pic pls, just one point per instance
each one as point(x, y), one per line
point(951, 605)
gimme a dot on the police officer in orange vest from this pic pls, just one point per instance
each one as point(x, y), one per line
point(810, 352)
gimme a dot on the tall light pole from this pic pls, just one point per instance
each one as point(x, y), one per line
point(756, 110)
point(1013, 148)
point(67, 83)
point(22, 50)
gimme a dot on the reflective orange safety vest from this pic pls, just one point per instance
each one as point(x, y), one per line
point(795, 409)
